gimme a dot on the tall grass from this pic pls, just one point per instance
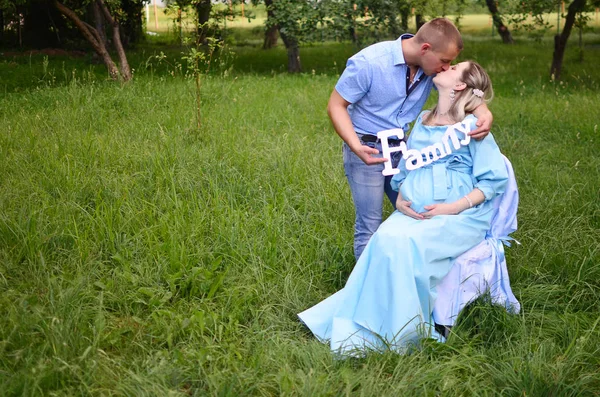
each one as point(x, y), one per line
point(140, 256)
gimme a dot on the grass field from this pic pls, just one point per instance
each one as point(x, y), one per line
point(141, 256)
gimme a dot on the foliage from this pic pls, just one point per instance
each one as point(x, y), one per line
point(532, 16)
point(363, 20)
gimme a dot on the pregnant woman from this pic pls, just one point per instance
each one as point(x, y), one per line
point(444, 209)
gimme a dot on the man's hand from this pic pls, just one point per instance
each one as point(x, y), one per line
point(484, 122)
point(366, 153)
point(404, 207)
point(439, 209)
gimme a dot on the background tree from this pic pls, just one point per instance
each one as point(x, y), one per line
point(502, 29)
point(271, 30)
point(177, 8)
point(131, 21)
point(530, 15)
point(93, 37)
point(32, 24)
point(203, 9)
point(297, 21)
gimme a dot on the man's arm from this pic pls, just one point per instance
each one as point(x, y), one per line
point(484, 122)
point(337, 109)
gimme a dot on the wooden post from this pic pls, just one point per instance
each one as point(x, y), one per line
point(242, 9)
point(155, 16)
point(180, 18)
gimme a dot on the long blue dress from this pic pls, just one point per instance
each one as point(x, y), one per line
point(388, 299)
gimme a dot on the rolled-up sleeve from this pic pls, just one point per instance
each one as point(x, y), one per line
point(355, 82)
point(489, 169)
point(398, 179)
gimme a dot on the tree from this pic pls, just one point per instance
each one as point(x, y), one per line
point(297, 21)
point(503, 30)
point(271, 30)
point(131, 21)
point(530, 15)
point(560, 40)
point(32, 23)
point(93, 37)
point(203, 8)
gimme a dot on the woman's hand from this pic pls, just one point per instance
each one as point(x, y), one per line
point(404, 207)
point(440, 209)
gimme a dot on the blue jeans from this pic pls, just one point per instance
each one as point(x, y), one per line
point(367, 185)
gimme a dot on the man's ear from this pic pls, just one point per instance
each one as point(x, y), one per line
point(425, 47)
point(459, 86)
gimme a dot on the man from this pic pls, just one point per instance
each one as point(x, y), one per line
point(385, 86)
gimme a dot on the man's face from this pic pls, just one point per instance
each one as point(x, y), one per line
point(433, 61)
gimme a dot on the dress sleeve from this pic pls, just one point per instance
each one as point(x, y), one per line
point(489, 169)
point(399, 177)
point(355, 82)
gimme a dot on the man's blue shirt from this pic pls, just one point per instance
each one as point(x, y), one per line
point(374, 82)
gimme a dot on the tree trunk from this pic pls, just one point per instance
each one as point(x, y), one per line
point(404, 16)
point(352, 29)
point(1, 27)
point(560, 40)
point(419, 20)
point(92, 36)
point(123, 64)
point(293, 53)
point(271, 36)
point(132, 26)
point(98, 21)
point(271, 32)
point(203, 11)
point(19, 30)
point(37, 29)
point(502, 29)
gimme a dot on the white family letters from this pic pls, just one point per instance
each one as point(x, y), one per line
point(420, 158)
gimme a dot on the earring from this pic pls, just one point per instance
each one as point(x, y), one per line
point(452, 95)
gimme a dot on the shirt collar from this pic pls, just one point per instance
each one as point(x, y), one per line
point(399, 54)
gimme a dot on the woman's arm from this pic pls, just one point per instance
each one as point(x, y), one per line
point(474, 198)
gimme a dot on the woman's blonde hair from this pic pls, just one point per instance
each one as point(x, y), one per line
point(466, 101)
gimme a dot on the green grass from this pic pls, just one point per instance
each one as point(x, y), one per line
point(140, 256)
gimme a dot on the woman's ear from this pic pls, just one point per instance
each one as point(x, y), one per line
point(460, 86)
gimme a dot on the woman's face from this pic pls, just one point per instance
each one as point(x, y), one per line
point(451, 77)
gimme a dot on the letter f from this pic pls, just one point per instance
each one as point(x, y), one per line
point(385, 148)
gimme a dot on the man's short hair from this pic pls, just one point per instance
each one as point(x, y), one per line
point(439, 32)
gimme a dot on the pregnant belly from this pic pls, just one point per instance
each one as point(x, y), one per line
point(418, 188)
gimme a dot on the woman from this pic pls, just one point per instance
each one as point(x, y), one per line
point(444, 208)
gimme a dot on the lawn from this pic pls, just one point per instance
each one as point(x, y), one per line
point(142, 256)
